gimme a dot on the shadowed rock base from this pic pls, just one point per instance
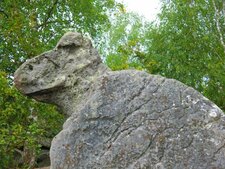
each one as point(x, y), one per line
point(123, 119)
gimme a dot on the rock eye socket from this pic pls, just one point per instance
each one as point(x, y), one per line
point(30, 67)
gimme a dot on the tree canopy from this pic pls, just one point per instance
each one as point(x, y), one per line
point(123, 41)
point(185, 43)
point(188, 45)
point(31, 27)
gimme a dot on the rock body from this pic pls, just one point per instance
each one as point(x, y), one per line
point(122, 119)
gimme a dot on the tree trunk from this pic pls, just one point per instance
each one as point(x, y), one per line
point(216, 16)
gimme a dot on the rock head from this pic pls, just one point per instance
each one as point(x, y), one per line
point(123, 119)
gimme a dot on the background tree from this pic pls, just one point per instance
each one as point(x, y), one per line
point(185, 43)
point(23, 125)
point(124, 41)
point(28, 28)
point(188, 45)
point(31, 27)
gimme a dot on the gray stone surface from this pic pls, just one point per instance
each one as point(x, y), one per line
point(122, 119)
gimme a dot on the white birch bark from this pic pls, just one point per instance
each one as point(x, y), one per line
point(216, 16)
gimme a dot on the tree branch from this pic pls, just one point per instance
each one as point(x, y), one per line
point(19, 151)
point(49, 14)
point(45, 23)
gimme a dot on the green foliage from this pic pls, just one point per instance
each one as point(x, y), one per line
point(187, 46)
point(116, 62)
point(23, 123)
point(124, 43)
point(185, 43)
point(28, 28)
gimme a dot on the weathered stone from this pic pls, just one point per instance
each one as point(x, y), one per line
point(122, 119)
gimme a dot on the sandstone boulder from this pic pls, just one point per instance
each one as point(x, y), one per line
point(123, 119)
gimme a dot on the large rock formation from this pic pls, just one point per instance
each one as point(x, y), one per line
point(122, 119)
